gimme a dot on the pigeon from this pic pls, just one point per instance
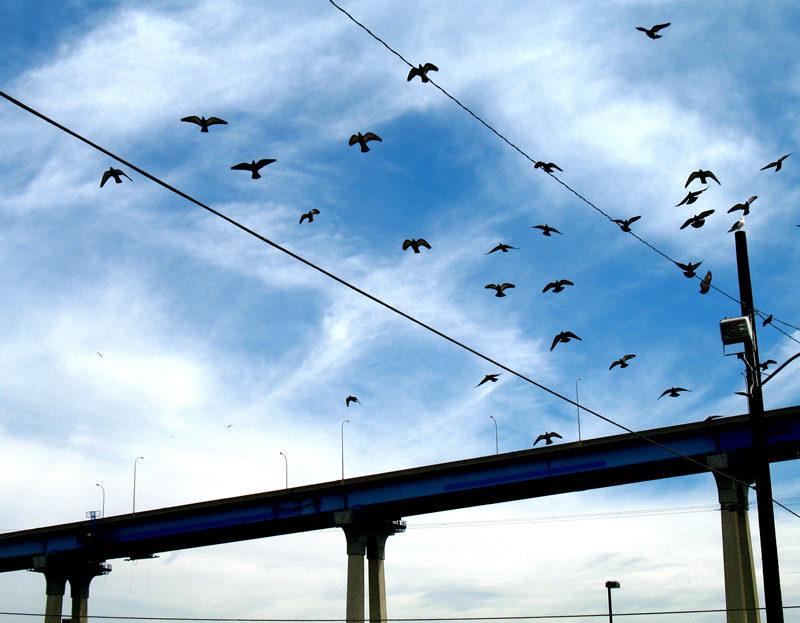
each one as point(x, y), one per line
point(767, 320)
point(698, 220)
point(688, 268)
point(422, 72)
point(674, 392)
point(691, 197)
point(253, 166)
point(548, 438)
point(415, 244)
point(622, 362)
point(625, 225)
point(499, 287)
point(737, 225)
point(744, 207)
point(309, 215)
point(203, 122)
point(765, 364)
point(652, 32)
point(115, 173)
point(350, 399)
point(557, 286)
point(702, 176)
point(489, 377)
point(547, 167)
point(705, 283)
point(777, 164)
point(547, 230)
point(362, 139)
point(564, 336)
point(502, 247)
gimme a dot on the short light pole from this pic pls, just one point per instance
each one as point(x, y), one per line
point(133, 511)
point(286, 461)
point(496, 442)
point(343, 423)
point(609, 585)
point(578, 407)
point(102, 512)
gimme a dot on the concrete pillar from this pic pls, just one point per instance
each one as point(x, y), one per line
point(741, 595)
point(356, 548)
point(80, 576)
point(56, 578)
point(376, 554)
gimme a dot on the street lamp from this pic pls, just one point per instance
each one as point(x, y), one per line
point(496, 442)
point(609, 585)
point(578, 407)
point(133, 511)
point(285, 460)
point(102, 512)
point(343, 423)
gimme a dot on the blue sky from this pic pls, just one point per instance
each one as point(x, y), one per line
point(137, 324)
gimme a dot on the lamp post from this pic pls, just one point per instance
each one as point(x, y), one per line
point(496, 442)
point(578, 407)
point(609, 585)
point(343, 423)
point(133, 510)
point(102, 512)
point(286, 461)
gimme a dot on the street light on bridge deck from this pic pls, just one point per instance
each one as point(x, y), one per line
point(609, 585)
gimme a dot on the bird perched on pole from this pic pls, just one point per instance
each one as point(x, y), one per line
point(253, 166)
point(737, 225)
point(362, 139)
point(203, 122)
point(115, 173)
point(422, 72)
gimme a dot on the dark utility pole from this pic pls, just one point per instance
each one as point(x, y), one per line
point(763, 481)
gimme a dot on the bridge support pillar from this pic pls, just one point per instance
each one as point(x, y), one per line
point(55, 576)
point(741, 595)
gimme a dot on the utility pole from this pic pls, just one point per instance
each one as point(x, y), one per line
point(763, 481)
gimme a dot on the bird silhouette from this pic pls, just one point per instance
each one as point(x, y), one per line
point(564, 336)
point(767, 320)
point(547, 230)
point(674, 392)
point(350, 399)
point(744, 207)
point(422, 72)
point(499, 287)
point(115, 173)
point(701, 175)
point(362, 139)
point(203, 122)
point(652, 32)
point(766, 364)
point(557, 286)
point(688, 268)
point(547, 167)
point(309, 215)
point(622, 362)
point(625, 225)
point(490, 378)
point(705, 283)
point(253, 166)
point(777, 164)
point(547, 437)
point(415, 244)
point(502, 247)
point(698, 220)
point(737, 225)
point(691, 197)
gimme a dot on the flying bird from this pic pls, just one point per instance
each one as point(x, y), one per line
point(558, 286)
point(548, 438)
point(652, 32)
point(489, 377)
point(547, 167)
point(564, 336)
point(547, 230)
point(688, 268)
point(765, 364)
point(705, 283)
point(767, 320)
point(309, 215)
point(115, 173)
point(702, 176)
point(415, 244)
point(422, 72)
point(350, 399)
point(777, 164)
point(499, 287)
point(622, 362)
point(674, 392)
point(691, 197)
point(362, 139)
point(698, 220)
point(253, 166)
point(502, 247)
point(203, 122)
point(625, 225)
point(737, 225)
point(744, 207)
